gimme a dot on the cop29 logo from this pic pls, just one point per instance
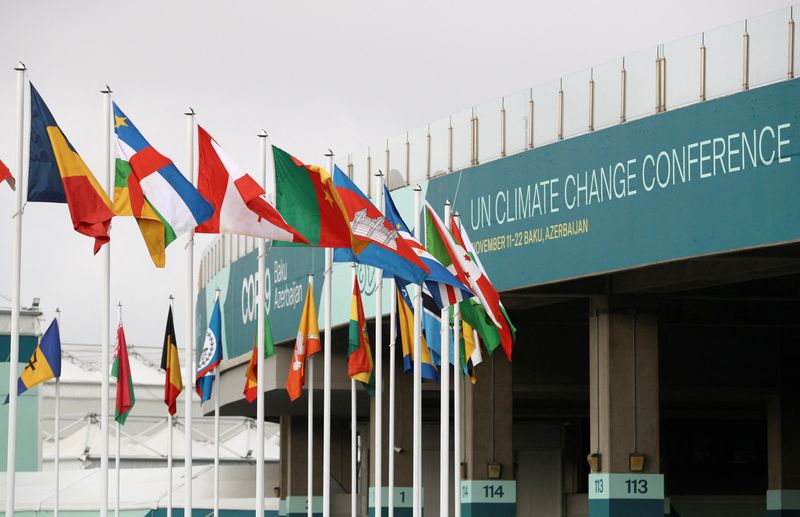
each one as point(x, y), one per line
point(250, 295)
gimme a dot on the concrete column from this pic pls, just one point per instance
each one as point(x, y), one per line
point(488, 487)
point(624, 409)
point(404, 431)
point(783, 441)
point(294, 475)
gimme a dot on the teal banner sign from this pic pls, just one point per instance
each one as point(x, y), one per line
point(716, 176)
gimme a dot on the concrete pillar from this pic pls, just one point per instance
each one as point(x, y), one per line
point(404, 434)
point(488, 487)
point(624, 456)
point(783, 441)
point(294, 475)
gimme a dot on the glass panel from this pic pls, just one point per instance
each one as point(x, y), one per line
point(724, 60)
point(576, 103)
point(488, 130)
point(683, 71)
point(439, 146)
point(397, 162)
point(517, 121)
point(545, 113)
point(640, 84)
point(462, 131)
point(607, 93)
point(418, 154)
point(769, 47)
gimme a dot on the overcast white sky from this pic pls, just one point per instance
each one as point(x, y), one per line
point(315, 74)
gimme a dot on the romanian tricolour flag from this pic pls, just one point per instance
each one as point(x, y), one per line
point(405, 320)
point(239, 205)
point(172, 196)
point(210, 356)
point(381, 245)
point(308, 201)
point(57, 174)
point(5, 175)
point(121, 371)
point(130, 201)
point(171, 364)
point(251, 374)
point(359, 353)
point(45, 363)
point(455, 251)
point(306, 345)
point(445, 288)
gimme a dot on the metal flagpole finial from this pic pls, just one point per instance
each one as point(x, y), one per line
point(447, 202)
point(263, 134)
point(379, 173)
point(20, 67)
point(171, 299)
point(329, 153)
point(107, 90)
point(417, 188)
point(190, 112)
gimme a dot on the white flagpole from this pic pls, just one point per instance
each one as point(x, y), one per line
point(310, 430)
point(417, 454)
point(353, 438)
point(392, 361)
point(444, 405)
point(379, 371)
point(456, 405)
point(188, 389)
point(118, 436)
point(105, 253)
point(57, 432)
point(262, 314)
point(216, 441)
point(16, 268)
point(326, 424)
point(169, 444)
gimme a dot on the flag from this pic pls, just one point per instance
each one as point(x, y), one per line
point(309, 202)
point(171, 364)
point(359, 353)
point(121, 371)
point(171, 195)
point(405, 320)
point(237, 198)
point(443, 286)
point(381, 245)
point(57, 174)
point(306, 345)
point(432, 327)
point(130, 201)
point(210, 356)
point(251, 374)
point(5, 175)
point(450, 250)
point(471, 350)
point(45, 363)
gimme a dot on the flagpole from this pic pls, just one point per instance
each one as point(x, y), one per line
point(105, 253)
point(16, 268)
point(118, 439)
point(216, 441)
point(57, 433)
point(169, 444)
point(310, 430)
point(379, 371)
point(417, 454)
point(392, 361)
point(353, 437)
point(189, 388)
point(326, 424)
point(444, 404)
point(262, 310)
point(456, 403)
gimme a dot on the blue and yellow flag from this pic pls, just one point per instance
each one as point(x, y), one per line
point(405, 321)
point(45, 363)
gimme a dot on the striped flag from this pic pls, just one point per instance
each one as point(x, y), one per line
point(405, 321)
point(306, 345)
point(210, 356)
point(170, 363)
point(44, 364)
point(121, 371)
point(171, 195)
point(359, 353)
point(251, 374)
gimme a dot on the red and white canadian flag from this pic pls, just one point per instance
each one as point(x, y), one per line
point(239, 205)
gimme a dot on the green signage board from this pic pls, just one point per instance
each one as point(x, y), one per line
point(712, 177)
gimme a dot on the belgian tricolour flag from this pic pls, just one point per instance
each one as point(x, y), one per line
point(170, 363)
point(45, 363)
